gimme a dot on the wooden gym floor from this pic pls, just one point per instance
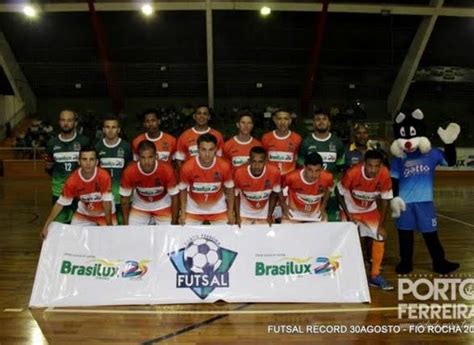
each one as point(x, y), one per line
point(24, 204)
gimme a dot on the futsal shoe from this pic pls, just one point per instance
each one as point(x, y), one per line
point(445, 267)
point(380, 283)
point(404, 267)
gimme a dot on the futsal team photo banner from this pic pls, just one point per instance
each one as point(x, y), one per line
point(124, 265)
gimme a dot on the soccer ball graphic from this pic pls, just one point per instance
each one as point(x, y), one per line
point(202, 256)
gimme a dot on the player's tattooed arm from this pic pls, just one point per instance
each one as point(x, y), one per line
point(55, 211)
point(125, 205)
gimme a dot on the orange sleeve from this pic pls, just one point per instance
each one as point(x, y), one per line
point(329, 180)
point(186, 174)
point(347, 178)
point(265, 141)
point(105, 184)
point(227, 174)
point(181, 149)
point(226, 150)
point(69, 189)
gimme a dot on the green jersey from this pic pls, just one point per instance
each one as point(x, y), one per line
point(114, 158)
point(331, 150)
point(65, 155)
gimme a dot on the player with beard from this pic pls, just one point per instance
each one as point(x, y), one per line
point(62, 156)
point(165, 143)
point(331, 149)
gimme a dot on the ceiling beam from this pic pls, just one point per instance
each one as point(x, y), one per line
point(410, 63)
point(415, 10)
point(15, 76)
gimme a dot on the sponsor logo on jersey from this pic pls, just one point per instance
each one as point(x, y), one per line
point(163, 155)
point(308, 198)
point(206, 187)
point(328, 157)
point(150, 191)
point(365, 196)
point(193, 150)
point(280, 156)
point(112, 163)
point(65, 157)
point(414, 170)
point(77, 146)
point(91, 197)
point(57, 147)
point(257, 196)
point(239, 160)
point(332, 147)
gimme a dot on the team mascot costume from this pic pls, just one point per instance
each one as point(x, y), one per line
point(412, 170)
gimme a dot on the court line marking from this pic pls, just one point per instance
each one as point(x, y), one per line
point(12, 310)
point(220, 312)
point(455, 220)
point(192, 327)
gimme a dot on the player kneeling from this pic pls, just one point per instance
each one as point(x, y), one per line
point(257, 188)
point(154, 188)
point(92, 186)
point(358, 192)
point(308, 191)
point(206, 184)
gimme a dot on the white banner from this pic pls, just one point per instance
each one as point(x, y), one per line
point(464, 159)
point(319, 262)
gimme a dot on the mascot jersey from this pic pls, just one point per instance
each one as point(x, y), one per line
point(415, 174)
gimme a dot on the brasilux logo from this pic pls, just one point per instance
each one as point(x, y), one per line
point(202, 265)
point(298, 266)
point(106, 269)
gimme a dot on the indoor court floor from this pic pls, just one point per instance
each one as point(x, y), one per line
point(24, 204)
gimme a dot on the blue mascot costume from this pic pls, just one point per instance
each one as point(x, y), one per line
point(412, 170)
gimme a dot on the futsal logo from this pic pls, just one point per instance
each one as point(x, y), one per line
point(202, 265)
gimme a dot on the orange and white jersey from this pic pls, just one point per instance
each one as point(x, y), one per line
point(282, 151)
point(205, 186)
point(187, 143)
point(165, 146)
point(91, 193)
point(255, 191)
point(151, 191)
point(237, 152)
point(305, 198)
point(360, 192)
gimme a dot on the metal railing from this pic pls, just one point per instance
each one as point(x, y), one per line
point(33, 154)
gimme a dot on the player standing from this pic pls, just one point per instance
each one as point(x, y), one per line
point(207, 188)
point(358, 192)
